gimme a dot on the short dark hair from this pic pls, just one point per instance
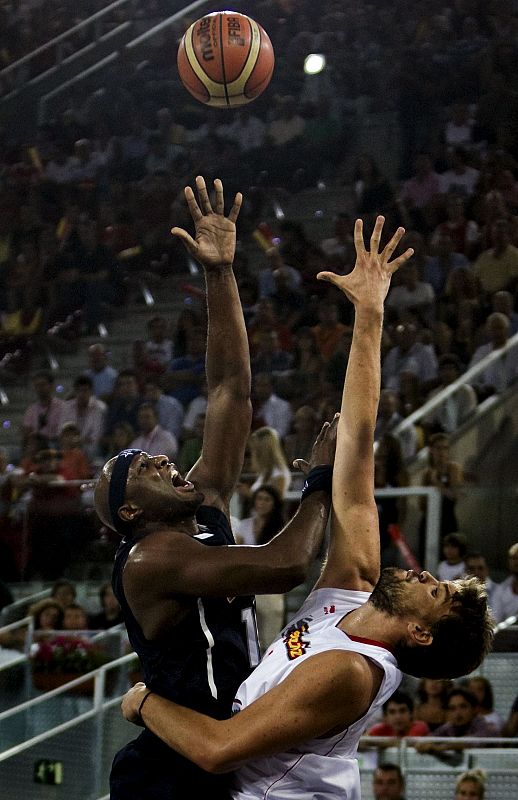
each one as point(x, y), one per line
point(457, 540)
point(461, 640)
point(83, 380)
point(389, 766)
point(488, 700)
point(460, 691)
point(401, 698)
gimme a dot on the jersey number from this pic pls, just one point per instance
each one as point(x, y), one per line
point(252, 638)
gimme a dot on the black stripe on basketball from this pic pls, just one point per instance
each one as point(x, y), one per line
point(222, 51)
point(245, 62)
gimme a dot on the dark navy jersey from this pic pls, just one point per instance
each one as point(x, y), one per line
point(199, 663)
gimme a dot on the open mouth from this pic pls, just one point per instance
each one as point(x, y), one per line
point(180, 484)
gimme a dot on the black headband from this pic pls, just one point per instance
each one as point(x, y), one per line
point(117, 490)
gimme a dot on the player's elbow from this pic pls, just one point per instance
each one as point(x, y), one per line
point(216, 759)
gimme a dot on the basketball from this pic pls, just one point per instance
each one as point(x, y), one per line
point(225, 59)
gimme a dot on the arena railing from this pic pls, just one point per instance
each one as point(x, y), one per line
point(21, 68)
point(130, 46)
point(448, 391)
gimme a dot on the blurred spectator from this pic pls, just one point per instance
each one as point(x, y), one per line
point(449, 415)
point(288, 300)
point(459, 128)
point(152, 438)
point(511, 724)
point(268, 462)
point(266, 319)
point(194, 409)
point(463, 721)
point(411, 294)
point(75, 464)
point(103, 376)
point(341, 245)
point(300, 443)
point(120, 439)
point(267, 282)
point(463, 231)
point(408, 355)
point(497, 267)
point(454, 547)
point(125, 403)
point(398, 719)
point(421, 190)
point(110, 613)
point(476, 565)
point(505, 598)
point(471, 785)
point(169, 410)
point(55, 518)
point(266, 521)
point(75, 618)
point(269, 409)
point(503, 303)
point(374, 194)
point(432, 697)
point(187, 373)
point(329, 329)
point(439, 266)
point(503, 372)
point(157, 350)
point(44, 416)
point(64, 592)
point(461, 179)
point(447, 476)
point(388, 782)
point(269, 358)
point(307, 365)
point(190, 450)
point(389, 418)
point(88, 413)
point(389, 472)
point(47, 615)
point(483, 691)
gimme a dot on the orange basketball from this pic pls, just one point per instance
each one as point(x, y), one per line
point(225, 59)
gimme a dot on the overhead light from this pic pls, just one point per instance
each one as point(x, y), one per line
point(314, 63)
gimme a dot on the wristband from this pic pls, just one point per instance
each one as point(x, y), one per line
point(319, 479)
point(139, 712)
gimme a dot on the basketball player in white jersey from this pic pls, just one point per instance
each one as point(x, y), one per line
point(304, 708)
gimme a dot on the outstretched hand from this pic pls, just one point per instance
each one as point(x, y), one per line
point(368, 284)
point(323, 451)
point(214, 244)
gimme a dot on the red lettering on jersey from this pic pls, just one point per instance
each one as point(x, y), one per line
point(295, 645)
point(330, 610)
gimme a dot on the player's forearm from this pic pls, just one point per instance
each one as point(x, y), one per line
point(228, 359)
point(300, 540)
point(360, 397)
point(195, 736)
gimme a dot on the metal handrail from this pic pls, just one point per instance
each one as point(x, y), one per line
point(439, 398)
point(62, 37)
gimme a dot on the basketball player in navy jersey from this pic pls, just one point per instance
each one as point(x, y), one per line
point(303, 709)
point(184, 587)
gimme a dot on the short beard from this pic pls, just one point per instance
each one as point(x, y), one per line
point(388, 595)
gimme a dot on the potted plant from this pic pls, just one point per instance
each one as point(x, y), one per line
point(62, 658)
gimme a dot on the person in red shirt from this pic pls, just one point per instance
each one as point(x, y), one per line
point(399, 720)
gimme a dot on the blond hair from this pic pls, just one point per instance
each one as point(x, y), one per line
point(476, 776)
point(267, 453)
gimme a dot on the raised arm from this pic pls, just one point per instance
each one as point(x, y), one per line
point(354, 557)
point(227, 423)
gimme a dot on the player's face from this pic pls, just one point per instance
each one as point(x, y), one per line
point(155, 485)
point(415, 595)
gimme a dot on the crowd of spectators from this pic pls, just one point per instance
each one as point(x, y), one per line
point(87, 202)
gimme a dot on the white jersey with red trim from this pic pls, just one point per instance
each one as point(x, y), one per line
point(325, 767)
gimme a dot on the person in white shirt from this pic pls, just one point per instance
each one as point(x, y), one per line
point(270, 409)
point(476, 565)
point(153, 439)
point(499, 375)
point(505, 597)
point(302, 711)
point(88, 413)
point(460, 179)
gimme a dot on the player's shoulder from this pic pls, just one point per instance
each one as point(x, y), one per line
point(159, 546)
